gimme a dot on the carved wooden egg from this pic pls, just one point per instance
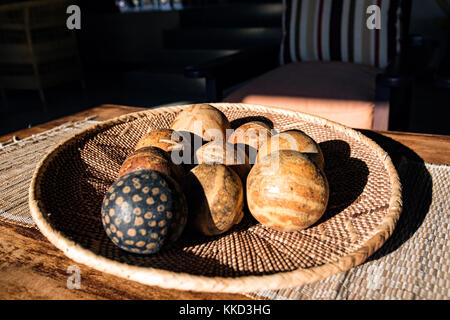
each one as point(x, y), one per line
point(165, 139)
point(293, 140)
point(252, 134)
point(286, 191)
point(203, 120)
point(215, 197)
point(152, 158)
point(231, 155)
point(144, 210)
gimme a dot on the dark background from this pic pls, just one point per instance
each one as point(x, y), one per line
point(137, 58)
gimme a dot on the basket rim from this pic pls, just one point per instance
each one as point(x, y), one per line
point(184, 281)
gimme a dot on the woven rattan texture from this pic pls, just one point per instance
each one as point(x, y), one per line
point(78, 176)
point(414, 263)
point(18, 161)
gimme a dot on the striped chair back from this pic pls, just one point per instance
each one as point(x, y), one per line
point(338, 30)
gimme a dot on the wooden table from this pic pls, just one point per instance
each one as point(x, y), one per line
point(32, 268)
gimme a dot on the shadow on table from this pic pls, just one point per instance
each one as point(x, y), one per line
point(416, 184)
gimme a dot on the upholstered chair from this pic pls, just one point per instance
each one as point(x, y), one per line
point(344, 60)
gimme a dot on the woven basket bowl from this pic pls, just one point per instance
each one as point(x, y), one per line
point(365, 203)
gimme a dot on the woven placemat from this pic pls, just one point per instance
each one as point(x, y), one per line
point(413, 264)
point(18, 160)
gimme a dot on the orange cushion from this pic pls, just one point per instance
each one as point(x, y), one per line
point(339, 91)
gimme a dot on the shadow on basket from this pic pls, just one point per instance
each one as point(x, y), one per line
point(347, 177)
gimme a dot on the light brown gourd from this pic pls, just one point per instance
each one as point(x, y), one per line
point(293, 140)
point(152, 158)
point(286, 191)
point(215, 198)
point(203, 120)
point(165, 139)
point(225, 153)
point(253, 134)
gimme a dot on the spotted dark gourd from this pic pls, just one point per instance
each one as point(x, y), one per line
point(144, 210)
